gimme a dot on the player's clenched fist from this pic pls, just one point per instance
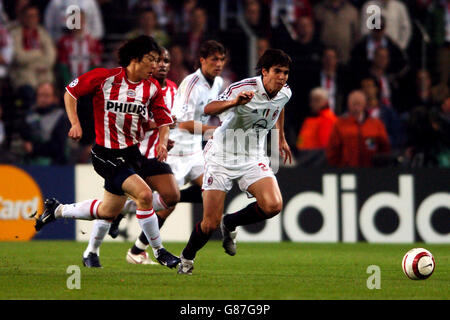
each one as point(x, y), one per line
point(244, 97)
point(75, 132)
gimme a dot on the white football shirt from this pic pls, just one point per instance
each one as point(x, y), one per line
point(193, 94)
point(241, 138)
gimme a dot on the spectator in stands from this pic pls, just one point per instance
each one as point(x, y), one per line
point(3, 16)
point(262, 44)
point(5, 155)
point(429, 136)
point(301, 43)
point(13, 10)
point(376, 109)
point(305, 49)
point(148, 26)
point(164, 14)
point(34, 55)
point(197, 33)
point(389, 84)
point(78, 52)
point(438, 27)
point(339, 26)
point(254, 17)
point(293, 10)
point(6, 54)
point(178, 69)
point(398, 22)
point(316, 128)
point(333, 77)
point(364, 51)
point(6, 93)
point(45, 129)
point(424, 93)
point(441, 123)
point(56, 15)
point(185, 13)
point(356, 138)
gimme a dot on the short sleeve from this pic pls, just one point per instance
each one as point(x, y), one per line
point(161, 114)
point(87, 83)
point(185, 102)
point(230, 93)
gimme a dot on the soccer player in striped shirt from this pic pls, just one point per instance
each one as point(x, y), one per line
point(158, 176)
point(125, 99)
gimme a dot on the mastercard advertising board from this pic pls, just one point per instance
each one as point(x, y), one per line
point(23, 191)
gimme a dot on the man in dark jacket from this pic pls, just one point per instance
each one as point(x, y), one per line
point(45, 129)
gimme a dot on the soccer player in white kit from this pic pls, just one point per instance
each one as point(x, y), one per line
point(194, 93)
point(249, 108)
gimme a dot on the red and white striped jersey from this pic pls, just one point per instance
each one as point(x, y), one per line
point(151, 138)
point(122, 109)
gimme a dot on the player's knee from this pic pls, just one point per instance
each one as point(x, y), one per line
point(107, 212)
point(171, 199)
point(209, 226)
point(165, 213)
point(144, 199)
point(272, 208)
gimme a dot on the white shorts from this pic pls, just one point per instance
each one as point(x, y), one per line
point(186, 168)
point(218, 177)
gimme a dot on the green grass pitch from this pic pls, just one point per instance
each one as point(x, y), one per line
point(259, 271)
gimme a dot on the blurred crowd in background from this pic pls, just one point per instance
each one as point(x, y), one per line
point(362, 97)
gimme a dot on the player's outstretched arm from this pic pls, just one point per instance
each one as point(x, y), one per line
point(161, 148)
point(195, 127)
point(75, 131)
point(217, 107)
point(285, 151)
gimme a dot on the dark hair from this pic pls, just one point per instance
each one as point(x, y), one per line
point(273, 57)
point(135, 49)
point(28, 7)
point(147, 10)
point(210, 47)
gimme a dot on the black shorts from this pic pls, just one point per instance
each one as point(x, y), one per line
point(153, 167)
point(116, 165)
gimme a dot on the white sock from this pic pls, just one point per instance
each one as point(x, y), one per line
point(85, 210)
point(139, 244)
point(149, 224)
point(99, 231)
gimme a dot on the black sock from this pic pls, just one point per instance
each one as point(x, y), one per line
point(196, 241)
point(144, 240)
point(250, 214)
point(193, 194)
point(160, 221)
point(116, 220)
point(143, 237)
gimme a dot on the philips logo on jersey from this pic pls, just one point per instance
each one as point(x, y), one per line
point(127, 107)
